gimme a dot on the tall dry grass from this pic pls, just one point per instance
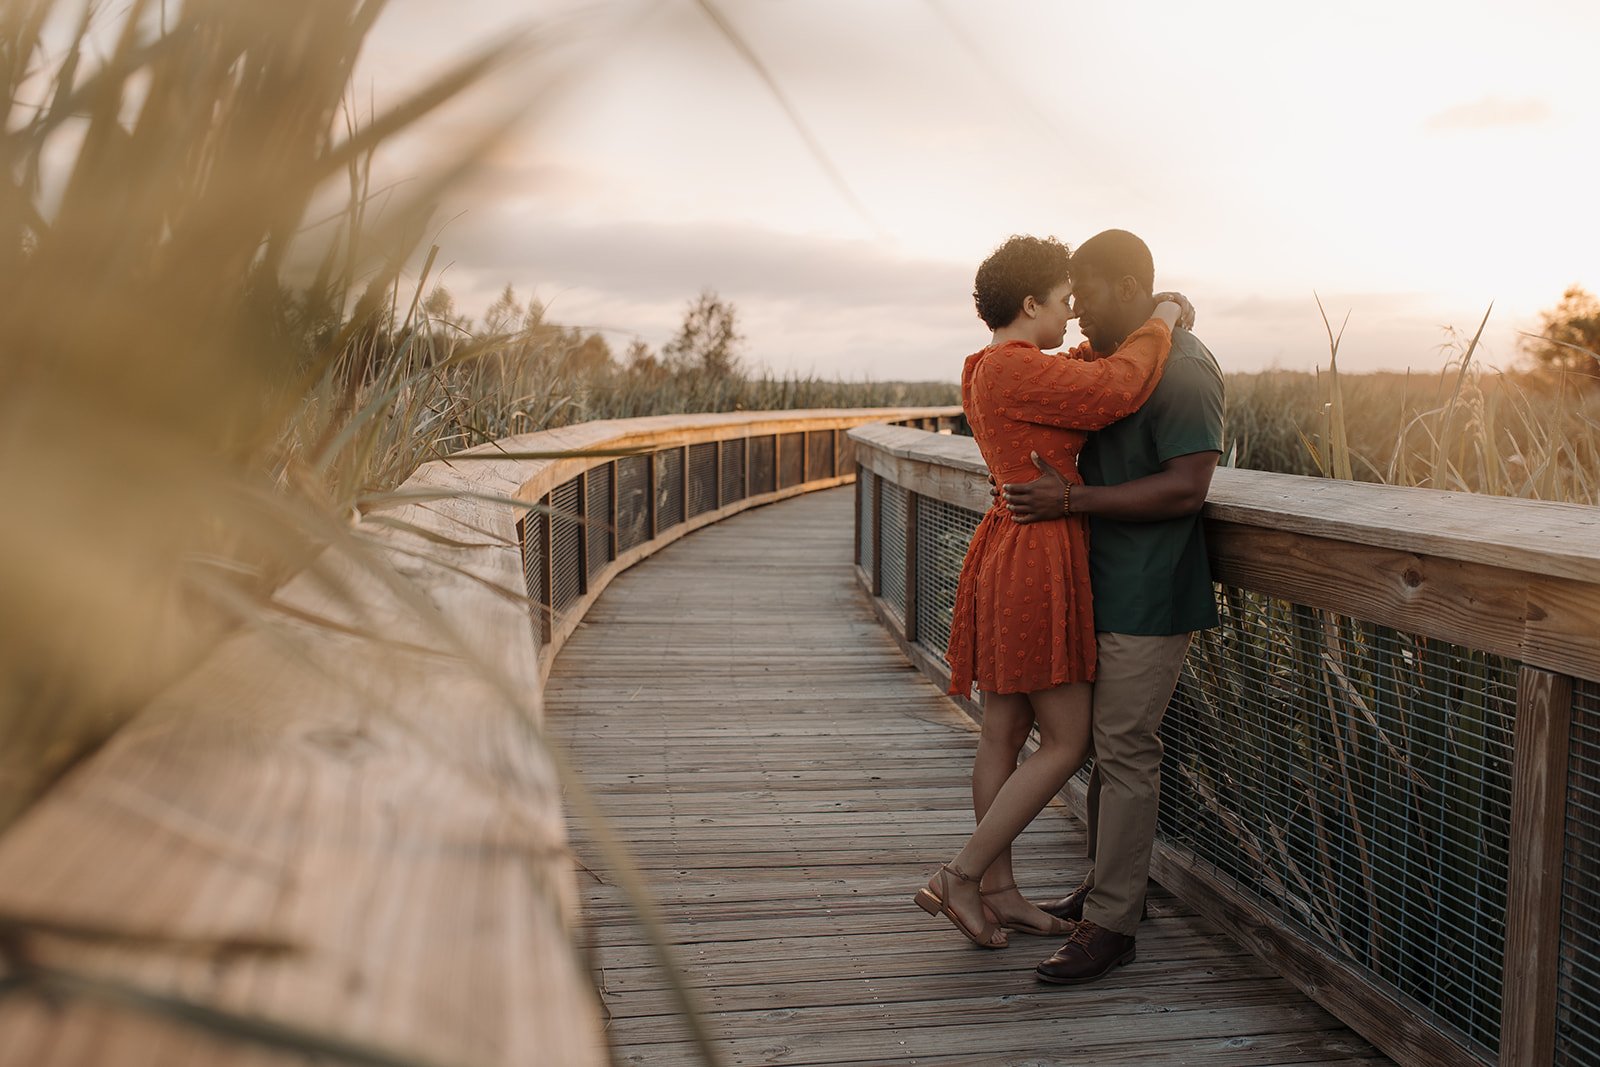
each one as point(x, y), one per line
point(158, 171)
point(1467, 428)
point(197, 384)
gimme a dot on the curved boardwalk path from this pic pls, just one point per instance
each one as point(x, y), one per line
point(787, 781)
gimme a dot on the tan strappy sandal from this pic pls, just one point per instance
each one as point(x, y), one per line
point(1057, 927)
point(936, 904)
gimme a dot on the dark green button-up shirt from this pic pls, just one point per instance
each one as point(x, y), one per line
point(1153, 577)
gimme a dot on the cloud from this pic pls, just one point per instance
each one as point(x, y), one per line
point(833, 306)
point(1489, 113)
point(653, 261)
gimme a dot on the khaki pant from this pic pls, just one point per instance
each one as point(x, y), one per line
point(1133, 682)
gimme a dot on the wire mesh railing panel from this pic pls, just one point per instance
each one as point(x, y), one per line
point(1358, 780)
point(763, 464)
point(669, 488)
point(892, 545)
point(702, 478)
point(598, 528)
point(733, 470)
point(633, 501)
point(819, 454)
point(866, 543)
point(845, 449)
point(791, 459)
point(1578, 972)
point(943, 533)
point(566, 540)
point(530, 540)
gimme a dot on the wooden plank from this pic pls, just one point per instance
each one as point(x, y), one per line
point(1533, 894)
point(1539, 537)
point(302, 786)
point(1537, 619)
point(547, 573)
point(910, 629)
point(789, 898)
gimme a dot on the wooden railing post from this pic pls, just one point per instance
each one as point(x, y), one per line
point(583, 533)
point(683, 481)
point(547, 554)
point(805, 456)
point(911, 567)
point(1533, 895)
point(650, 492)
point(716, 478)
point(613, 505)
point(877, 537)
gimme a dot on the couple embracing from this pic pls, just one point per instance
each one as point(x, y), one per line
point(1083, 583)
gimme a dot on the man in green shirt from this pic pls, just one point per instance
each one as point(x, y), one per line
point(1145, 480)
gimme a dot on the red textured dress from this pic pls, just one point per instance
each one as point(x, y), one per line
point(1023, 617)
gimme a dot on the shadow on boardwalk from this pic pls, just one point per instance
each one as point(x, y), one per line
point(787, 781)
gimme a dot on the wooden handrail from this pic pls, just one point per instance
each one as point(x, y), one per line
point(356, 836)
point(1514, 579)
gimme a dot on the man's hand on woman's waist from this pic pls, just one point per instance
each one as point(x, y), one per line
point(1178, 489)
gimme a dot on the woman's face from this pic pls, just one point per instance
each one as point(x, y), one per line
point(1053, 315)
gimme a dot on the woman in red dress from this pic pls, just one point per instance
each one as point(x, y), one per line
point(1023, 628)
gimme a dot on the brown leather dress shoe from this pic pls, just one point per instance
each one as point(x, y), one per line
point(1071, 905)
point(1092, 951)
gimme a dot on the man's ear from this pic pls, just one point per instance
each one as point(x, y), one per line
point(1129, 289)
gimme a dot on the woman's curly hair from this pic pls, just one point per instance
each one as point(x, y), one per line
point(1020, 268)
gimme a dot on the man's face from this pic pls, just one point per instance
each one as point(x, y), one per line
point(1098, 310)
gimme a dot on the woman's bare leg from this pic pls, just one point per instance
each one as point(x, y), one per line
point(1062, 714)
point(1007, 720)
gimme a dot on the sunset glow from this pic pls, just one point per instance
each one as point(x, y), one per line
point(1409, 163)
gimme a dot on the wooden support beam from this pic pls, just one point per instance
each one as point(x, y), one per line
point(650, 494)
point(911, 567)
point(1533, 895)
point(613, 507)
point(583, 533)
point(877, 537)
point(547, 581)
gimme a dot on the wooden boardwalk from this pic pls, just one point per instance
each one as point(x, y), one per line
point(787, 780)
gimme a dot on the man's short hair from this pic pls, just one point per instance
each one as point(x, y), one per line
point(1114, 254)
point(1018, 269)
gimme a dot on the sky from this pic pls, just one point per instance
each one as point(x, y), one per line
point(1407, 163)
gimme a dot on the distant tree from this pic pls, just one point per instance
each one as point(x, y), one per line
point(709, 339)
point(1569, 336)
point(640, 360)
point(591, 356)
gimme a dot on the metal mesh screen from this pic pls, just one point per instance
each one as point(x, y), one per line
point(943, 532)
point(633, 507)
point(566, 537)
point(598, 528)
point(819, 454)
point(733, 470)
point(530, 540)
point(763, 464)
point(1359, 780)
point(791, 459)
point(892, 545)
point(845, 449)
point(702, 478)
point(669, 488)
point(866, 546)
point(1578, 975)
